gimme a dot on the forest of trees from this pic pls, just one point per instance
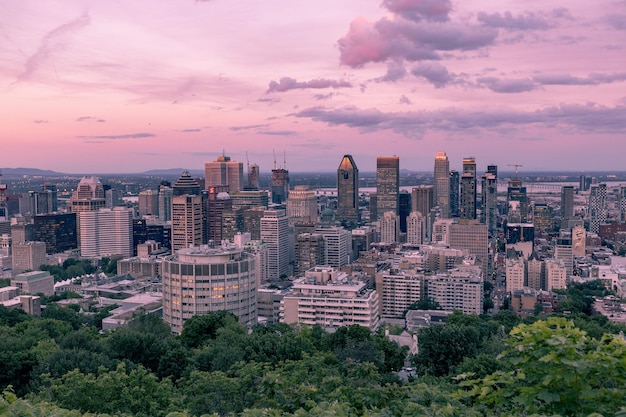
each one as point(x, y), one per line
point(59, 364)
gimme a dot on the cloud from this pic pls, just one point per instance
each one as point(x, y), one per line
point(50, 43)
point(434, 72)
point(40, 121)
point(324, 96)
point(401, 39)
point(416, 10)
point(499, 85)
point(238, 128)
point(277, 132)
point(270, 100)
point(90, 119)
point(568, 79)
point(578, 117)
point(404, 100)
point(395, 71)
point(189, 130)
point(287, 83)
point(525, 21)
point(617, 21)
point(115, 137)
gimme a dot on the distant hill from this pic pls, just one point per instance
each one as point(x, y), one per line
point(20, 172)
point(172, 172)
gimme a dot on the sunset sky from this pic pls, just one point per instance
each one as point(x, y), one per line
point(127, 86)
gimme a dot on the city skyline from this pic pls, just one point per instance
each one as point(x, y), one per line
point(102, 88)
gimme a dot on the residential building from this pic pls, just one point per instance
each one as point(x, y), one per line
point(275, 234)
point(458, 289)
point(338, 245)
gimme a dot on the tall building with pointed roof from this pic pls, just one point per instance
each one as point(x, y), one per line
point(186, 184)
point(348, 191)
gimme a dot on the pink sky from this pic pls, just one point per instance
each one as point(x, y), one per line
point(110, 86)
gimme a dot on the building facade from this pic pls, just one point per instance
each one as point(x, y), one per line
point(441, 191)
point(106, 232)
point(387, 184)
point(348, 191)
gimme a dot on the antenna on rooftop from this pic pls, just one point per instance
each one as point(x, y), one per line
point(516, 167)
point(274, 151)
point(284, 159)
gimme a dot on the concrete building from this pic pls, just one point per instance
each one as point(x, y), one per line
point(441, 231)
point(362, 238)
point(302, 205)
point(489, 195)
point(106, 232)
point(223, 171)
point(201, 279)
point(458, 289)
point(397, 290)
point(310, 252)
point(556, 275)
point(455, 198)
point(389, 227)
point(165, 202)
point(415, 228)
point(563, 251)
point(472, 237)
point(598, 210)
point(148, 203)
point(28, 256)
point(567, 201)
point(515, 270)
point(280, 185)
point(89, 196)
point(330, 298)
point(34, 282)
point(275, 234)
point(338, 245)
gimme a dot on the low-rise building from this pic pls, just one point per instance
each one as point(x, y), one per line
point(34, 282)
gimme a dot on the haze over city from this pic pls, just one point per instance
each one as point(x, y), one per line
point(130, 86)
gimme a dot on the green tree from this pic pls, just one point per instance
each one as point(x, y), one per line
point(199, 329)
point(557, 369)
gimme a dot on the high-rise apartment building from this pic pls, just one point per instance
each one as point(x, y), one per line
point(458, 289)
point(338, 245)
point(474, 238)
point(415, 228)
point(202, 279)
point(389, 227)
point(567, 201)
point(223, 171)
point(515, 270)
point(467, 206)
point(387, 184)
point(218, 202)
point(422, 199)
point(442, 188)
point(106, 232)
point(275, 234)
point(598, 209)
point(310, 252)
point(348, 191)
point(556, 275)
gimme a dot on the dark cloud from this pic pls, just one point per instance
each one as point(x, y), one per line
point(189, 130)
point(404, 100)
point(401, 39)
point(525, 21)
point(238, 128)
point(416, 10)
point(434, 72)
point(568, 79)
point(277, 132)
point(40, 121)
point(395, 71)
point(270, 100)
point(499, 85)
point(287, 83)
point(617, 21)
point(114, 137)
point(100, 121)
point(583, 118)
point(324, 96)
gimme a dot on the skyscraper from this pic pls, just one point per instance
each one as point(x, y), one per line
point(187, 227)
point(517, 199)
point(310, 252)
point(253, 177)
point(422, 199)
point(597, 207)
point(389, 227)
point(165, 201)
point(186, 184)
point(387, 184)
point(348, 191)
point(567, 201)
point(489, 193)
point(467, 207)
point(223, 171)
point(415, 228)
point(454, 193)
point(148, 202)
point(622, 203)
point(89, 195)
point(302, 205)
point(442, 183)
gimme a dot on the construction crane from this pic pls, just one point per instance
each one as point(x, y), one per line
point(516, 168)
